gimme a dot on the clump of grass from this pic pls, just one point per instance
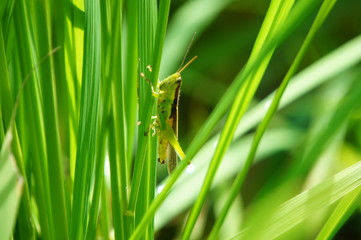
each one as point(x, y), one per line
point(75, 162)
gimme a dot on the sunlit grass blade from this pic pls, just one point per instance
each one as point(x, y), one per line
point(342, 212)
point(96, 214)
point(131, 76)
point(118, 213)
point(7, 110)
point(88, 123)
point(35, 119)
point(50, 118)
point(10, 188)
point(302, 206)
point(147, 21)
point(119, 169)
point(149, 53)
point(73, 62)
point(98, 174)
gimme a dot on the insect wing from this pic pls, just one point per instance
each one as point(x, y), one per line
point(173, 122)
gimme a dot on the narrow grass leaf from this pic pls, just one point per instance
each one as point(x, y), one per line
point(50, 118)
point(304, 205)
point(342, 212)
point(10, 188)
point(89, 111)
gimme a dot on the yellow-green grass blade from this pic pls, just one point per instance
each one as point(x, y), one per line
point(131, 76)
point(35, 131)
point(10, 188)
point(151, 39)
point(119, 172)
point(73, 62)
point(88, 121)
point(147, 21)
point(105, 121)
point(347, 205)
point(294, 211)
point(47, 77)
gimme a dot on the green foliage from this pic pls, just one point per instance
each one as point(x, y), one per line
point(274, 153)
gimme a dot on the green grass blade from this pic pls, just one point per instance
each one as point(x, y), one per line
point(117, 198)
point(302, 206)
point(98, 174)
point(10, 188)
point(101, 139)
point(131, 76)
point(89, 109)
point(153, 29)
point(73, 54)
point(151, 53)
point(50, 115)
point(147, 21)
point(120, 169)
point(34, 115)
point(342, 212)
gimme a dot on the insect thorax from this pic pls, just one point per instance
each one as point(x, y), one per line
point(170, 83)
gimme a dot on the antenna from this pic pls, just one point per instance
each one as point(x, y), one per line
point(186, 65)
point(185, 55)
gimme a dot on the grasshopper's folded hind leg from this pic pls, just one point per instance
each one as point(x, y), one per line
point(173, 141)
point(162, 148)
point(172, 159)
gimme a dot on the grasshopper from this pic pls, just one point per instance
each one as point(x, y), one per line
point(166, 122)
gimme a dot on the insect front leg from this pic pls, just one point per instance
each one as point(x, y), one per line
point(154, 126)
point(155, 92)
